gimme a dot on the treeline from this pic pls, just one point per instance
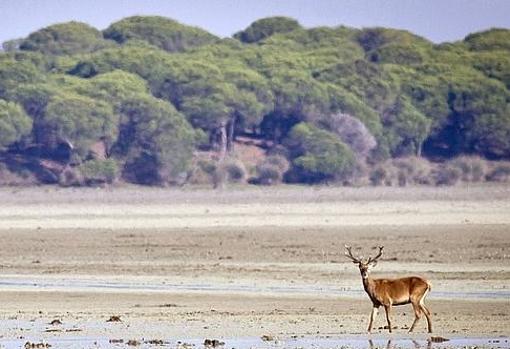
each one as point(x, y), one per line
point(149, 100)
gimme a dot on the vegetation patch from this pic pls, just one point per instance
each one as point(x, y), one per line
point(139, 100)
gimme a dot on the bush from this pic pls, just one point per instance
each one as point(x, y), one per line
point(99, 171)
point(446, 174)
point(383, 174)
point(208, 171)
point(318, 155)
point(354, 133)
point(271, 170)
point(201, 172)
point(359, 175)
point(500, 173)
point(17, 178)
point(268, 174)
point(70, 177)
point(412, 170)
point(279, 161)
point(472, 168)
point(234, 170)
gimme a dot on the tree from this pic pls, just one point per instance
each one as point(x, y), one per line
point(318, 155)
point(353, 133)
point(113, 87)
point(14, 123)
point(492, 39)
point(79, 120)
point(155, 139)
point(13, 73)
point(11, 45)
point(65, 39)
point(494, 64)
point(162, 32)
point(298, 97)
point(406, 128)
point(476, 122)
point(266, 27)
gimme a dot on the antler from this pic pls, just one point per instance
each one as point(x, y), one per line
point(349, 255)
point(374, 259)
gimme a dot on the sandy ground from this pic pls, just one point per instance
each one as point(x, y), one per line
point(247, 262)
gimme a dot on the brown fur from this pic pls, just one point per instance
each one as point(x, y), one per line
point(390, 292)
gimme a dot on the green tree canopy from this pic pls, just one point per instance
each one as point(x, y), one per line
point(14, 123)
point(149, 91)
point(406, 128)
point(318, 155)
point(13, 73)
point(64, 39)
point(266, 27)
point(493, 39)
point(79, 120)
point(155, 139)
point(162, 32)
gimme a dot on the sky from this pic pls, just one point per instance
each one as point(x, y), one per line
point(437, 20)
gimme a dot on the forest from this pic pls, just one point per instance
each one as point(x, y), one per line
point(152, 101)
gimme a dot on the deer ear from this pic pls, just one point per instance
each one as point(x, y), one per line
point(373, 264)
point(354, 262)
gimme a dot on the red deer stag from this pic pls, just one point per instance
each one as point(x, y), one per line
point(388, 292)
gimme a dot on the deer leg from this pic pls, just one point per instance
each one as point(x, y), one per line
point(426, 311)
point(427, 316)
point(375, 310)
point(387, 309)
point(417, 315)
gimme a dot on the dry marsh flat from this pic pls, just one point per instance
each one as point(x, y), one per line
point(247, 261)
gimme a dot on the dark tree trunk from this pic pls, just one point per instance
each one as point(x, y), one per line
point(231, 133)
point(222, 141)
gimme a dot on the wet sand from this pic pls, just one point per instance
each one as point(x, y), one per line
point(181, 264)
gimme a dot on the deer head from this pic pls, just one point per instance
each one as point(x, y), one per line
point(364, 266)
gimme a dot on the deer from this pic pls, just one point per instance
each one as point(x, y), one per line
point(390, 292)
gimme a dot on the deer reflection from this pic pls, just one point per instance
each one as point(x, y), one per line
point(416, 344)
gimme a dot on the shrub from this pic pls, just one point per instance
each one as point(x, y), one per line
point(268, 174)
point(412, 170)
point(219, 178)
point(500, 172)
point(318, 155)
point(201, 171)
point(70, 177)
point(353, 132)
point(271, 170)
point(359, 175)
point(234, 170)
point(15, 178)
point(383, 174)
point(279, 161)
point(99, 171)
point(472, 168)
point(218, 172)
point(446, 174)
point(279, 150)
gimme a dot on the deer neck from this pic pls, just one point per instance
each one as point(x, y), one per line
point(369, 286)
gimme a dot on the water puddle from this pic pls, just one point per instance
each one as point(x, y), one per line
point(267, 343)
point(144, 286)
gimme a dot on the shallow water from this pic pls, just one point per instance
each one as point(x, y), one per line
point(144, 286)
point(253, 342)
